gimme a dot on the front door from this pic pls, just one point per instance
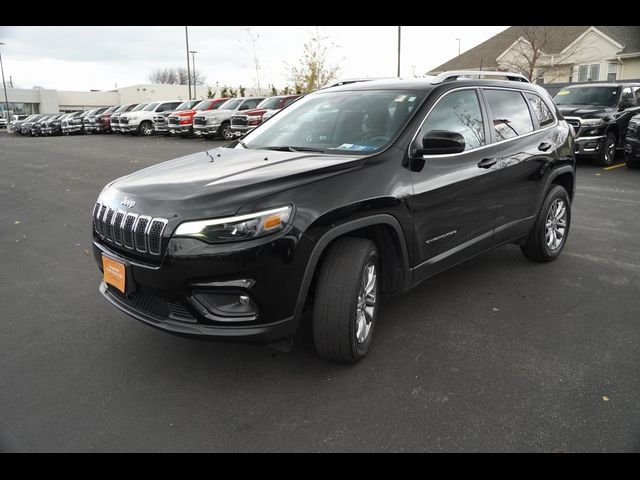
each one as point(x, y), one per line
point(455, 195)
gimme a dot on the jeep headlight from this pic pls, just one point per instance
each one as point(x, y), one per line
point(592, 122)
point(237, 228)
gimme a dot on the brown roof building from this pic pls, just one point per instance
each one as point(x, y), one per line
point(557, 53)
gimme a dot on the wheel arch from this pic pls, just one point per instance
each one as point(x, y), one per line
point(385, 230)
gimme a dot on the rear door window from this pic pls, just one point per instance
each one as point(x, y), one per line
point(509, 113)
point(540, 110)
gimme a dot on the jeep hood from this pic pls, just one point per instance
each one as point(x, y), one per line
point(219, 181)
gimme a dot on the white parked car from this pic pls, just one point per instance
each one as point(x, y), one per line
point(141, 122)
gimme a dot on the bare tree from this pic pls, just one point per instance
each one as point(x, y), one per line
point(531, 55)
point(174, 76)
point(313, 69)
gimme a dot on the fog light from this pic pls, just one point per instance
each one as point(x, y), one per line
point(229, 306)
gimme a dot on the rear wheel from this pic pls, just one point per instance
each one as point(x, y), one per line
point(346, 300)
point(549, 234)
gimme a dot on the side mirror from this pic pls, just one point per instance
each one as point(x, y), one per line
point(441, 142)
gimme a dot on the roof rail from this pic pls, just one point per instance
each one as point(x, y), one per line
point(346, 81)
point(454, 75)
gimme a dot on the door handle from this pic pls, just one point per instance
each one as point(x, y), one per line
point(487, 162)
point(544, 146)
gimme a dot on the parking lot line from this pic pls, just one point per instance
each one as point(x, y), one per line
point(614, 166)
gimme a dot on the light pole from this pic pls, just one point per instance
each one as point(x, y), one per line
point(193, 57)
point(458, 46)
point(399, 35)
point(186, 35)
point(4, 85)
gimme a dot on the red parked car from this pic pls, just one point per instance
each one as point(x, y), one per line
point(243, 123)
point(181, 122)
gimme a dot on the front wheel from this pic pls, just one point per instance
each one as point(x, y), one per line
point(146, 128)
point(549, 233)
point(608, 153)
point(346, 300)
point(225, 131)
point(632, 164)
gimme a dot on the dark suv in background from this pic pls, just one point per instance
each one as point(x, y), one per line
point(599, 113)
point(350, 193)
point(632, 143)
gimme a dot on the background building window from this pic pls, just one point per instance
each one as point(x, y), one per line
point(612, 72)
point(589, 73)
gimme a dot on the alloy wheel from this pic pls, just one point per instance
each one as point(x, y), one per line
point(556, 224)
point(366, 304)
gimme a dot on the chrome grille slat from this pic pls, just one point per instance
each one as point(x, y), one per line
point(108, 223)
point(140, 233)
point(132, 231)
point(117, 226)
point(127, 228)
point(103, 210)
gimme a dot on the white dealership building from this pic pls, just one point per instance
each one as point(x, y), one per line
point(43, 100)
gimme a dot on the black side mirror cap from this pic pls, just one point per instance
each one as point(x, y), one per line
point(440, 142)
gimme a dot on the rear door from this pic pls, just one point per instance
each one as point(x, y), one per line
point(454, 199)
point(524, 132)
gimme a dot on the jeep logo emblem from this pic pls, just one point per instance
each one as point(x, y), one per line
point(127, 202)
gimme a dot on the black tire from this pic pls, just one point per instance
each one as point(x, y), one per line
point(633, 165)
point(608, 154)
point(536, 247)
point(336, 302)
point(145, 128)
point(225, 131)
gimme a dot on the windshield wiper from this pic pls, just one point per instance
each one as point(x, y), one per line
point(289, 148)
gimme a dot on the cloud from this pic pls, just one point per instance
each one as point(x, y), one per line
point(98, 57)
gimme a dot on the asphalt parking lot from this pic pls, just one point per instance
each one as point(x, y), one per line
point(498, 354)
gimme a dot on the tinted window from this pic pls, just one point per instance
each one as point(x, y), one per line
point(270, 103)
point(230, 104)
point(140, 107)
point(167, 106)
point(253, 103)
point(458, 112)
point(509, 112)
point(540, 109)
point(596, 96)
point(289, 101)
point(150, 107)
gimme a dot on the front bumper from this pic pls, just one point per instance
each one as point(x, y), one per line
point(129, 128)
point(181, 129)
point(205, 130)
point(589, 146)
point(97, 128)
point(269, 271)
point(160, 128)
point(72, 128)
point(240, 130)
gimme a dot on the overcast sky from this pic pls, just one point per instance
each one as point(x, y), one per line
point(85, 58)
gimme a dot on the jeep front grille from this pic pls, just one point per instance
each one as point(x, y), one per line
point(129, 230)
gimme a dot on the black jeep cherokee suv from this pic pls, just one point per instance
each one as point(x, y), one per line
point(351, 192)
point(599, 114)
